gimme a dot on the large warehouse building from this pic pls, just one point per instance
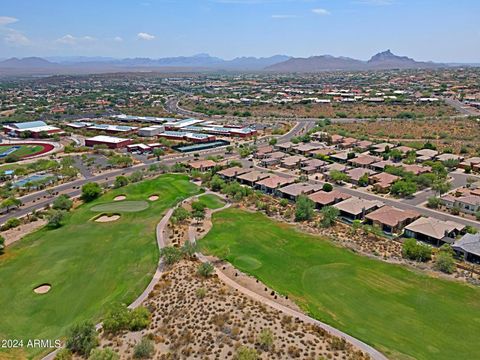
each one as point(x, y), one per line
point(34, 129)
point(110, 141)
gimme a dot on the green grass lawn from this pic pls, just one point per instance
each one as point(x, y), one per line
point(404, 314)
point(211, 201)
point(88, 264)
point(24, 149)
point(121, 206)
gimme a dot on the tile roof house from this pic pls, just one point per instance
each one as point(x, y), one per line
point(271, 184)
point(446, 157)
point(355, 208)
point(356, 173)
point(232, 173)
point(324, 198)
point(363, 160)
point(381, 148)
point(382, 182)
point(202, 165)
point(468, 203)
point(263, 152)
point(391, 220)
point(293, 162)
point(251, 177)
point(434, 231)
point(292, 191)
point(417, 169)
point(468, 247)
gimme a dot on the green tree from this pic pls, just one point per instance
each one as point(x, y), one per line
point(120, 181)
point(2, 245)
point(304, 208)
point(63, 354)
point(103, 354)
point(158, 152)
point(216, 184)
point(339, 177)
point(403, 188)
point(180, 214)
point(10, 203)
point(363, 180)
point(327, 187)
point(63, 202)
point(273, 141)
point(116, 319)
point(82, 338)
point(91, 191)
point(205, 269)
point(441, 186)
point(329, 215)
point(55, 218)
point(433, 202)
point(413, 250)
point(139, 319)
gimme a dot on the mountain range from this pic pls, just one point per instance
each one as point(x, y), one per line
point(203, 62)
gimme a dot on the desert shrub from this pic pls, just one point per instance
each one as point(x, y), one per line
point(444, 261)
point(119, 318)
point(433, 202)
point(265, 338)
point(171, 255)
point(63, 354)
point(144, 349)
point(139, 319)
point(201, 292)
point(82, 338)
point(63, 202)
point(245, 353)
point(413, 250)
point(304, 208)
point(10, 224)
point(103, 354)
point(330, 214)
point(205, 269)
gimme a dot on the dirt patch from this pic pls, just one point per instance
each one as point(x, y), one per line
point(107, 218)
point(119, 198)
point(15, 234)
point(42, 289)
point(153, 198)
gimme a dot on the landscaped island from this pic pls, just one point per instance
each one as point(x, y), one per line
point(402, 313)
point(87, 264)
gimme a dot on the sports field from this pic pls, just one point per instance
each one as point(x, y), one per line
point(406, 315)
point(88, 264)
point(22, 151)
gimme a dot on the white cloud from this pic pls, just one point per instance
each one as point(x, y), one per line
point(145, 36)
point(73, 40)
point(284, 16)
point(14, 37)
point(6, 20)
point(117, 39)
point(321, 12)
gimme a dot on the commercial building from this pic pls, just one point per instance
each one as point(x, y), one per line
point(110, 141)
point(34, 129)
point(151, 131)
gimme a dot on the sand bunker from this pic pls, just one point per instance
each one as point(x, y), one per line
point(153, 198)
point(107, 218)
point(42, 289)
point(119, 198)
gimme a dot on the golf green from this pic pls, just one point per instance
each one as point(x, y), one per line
point(88, 264)
point(211, 201)
point(405, 314)
point(121, 206)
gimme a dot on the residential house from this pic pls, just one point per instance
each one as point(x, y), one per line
point(293, 162)
point(363, 160)
point(324, 198)
point(382, 148)
point(433, 231)
point(312, 166)
point(263, 152)
point(202, 165)
point(469, 204)
point(232, 173)
point(383, 181)
point(357, 173)
point(251, 177)
point(426, 155)
point(341, 157)
point(391, 220)
point(468, 247)
point(292, 191)
point(271, 184)
point(447, 157)
point(356, 208)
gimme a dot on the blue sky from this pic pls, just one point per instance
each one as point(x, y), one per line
point(440, 30)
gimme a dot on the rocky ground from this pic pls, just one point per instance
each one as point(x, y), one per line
point(198, 318)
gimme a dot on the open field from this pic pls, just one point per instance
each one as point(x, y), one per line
point(88, 264)
point(404, 314)
point(211, 201)
point(445, 133)
point(334, 110)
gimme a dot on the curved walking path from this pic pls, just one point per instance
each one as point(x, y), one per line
point(160, 235)
point(374, 354)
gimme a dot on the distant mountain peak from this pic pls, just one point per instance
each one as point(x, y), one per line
point(388, 56)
